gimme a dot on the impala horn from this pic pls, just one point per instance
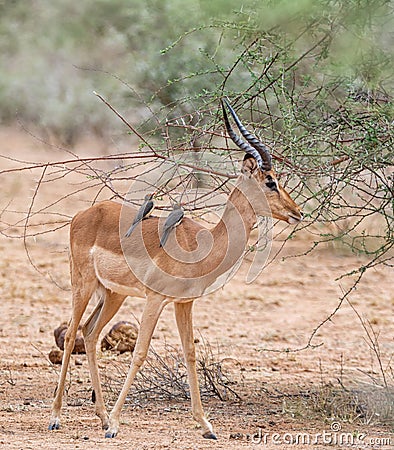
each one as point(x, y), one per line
point(254, 147)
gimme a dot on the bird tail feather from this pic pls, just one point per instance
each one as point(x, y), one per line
point(130, 230)
point(164, 237)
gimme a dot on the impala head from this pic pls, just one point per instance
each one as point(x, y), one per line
point(257, 167)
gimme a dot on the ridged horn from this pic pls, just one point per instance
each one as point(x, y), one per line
point(239, 142)
point(264, 157)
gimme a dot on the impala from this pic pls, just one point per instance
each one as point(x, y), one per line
point(105, 262)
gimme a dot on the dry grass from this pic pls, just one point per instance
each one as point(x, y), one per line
point(164, 375)
point(357, 405)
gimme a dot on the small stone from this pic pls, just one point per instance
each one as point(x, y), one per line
point(55, 356)
point(236, 436)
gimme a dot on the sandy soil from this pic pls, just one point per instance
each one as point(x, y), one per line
point(278, 311)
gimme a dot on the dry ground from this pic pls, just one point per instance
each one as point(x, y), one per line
point(278, 311)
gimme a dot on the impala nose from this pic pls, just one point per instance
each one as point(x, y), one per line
point(295, 217)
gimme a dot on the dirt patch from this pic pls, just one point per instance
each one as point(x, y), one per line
point(278, 311)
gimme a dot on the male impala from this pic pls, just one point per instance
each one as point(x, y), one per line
point(105, 262)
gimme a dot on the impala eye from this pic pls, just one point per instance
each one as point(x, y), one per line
point(271, 185)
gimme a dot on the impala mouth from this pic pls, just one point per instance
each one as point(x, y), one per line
point(294, 218)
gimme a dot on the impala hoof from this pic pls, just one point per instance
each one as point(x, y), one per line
point(54, 425)
point(209, 435)
point(110, 434)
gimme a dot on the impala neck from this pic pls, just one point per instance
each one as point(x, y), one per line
point(232, 232)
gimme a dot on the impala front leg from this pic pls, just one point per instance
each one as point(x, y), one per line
point(184, 320)
point(153, 308)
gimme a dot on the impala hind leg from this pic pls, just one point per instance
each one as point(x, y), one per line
point(105, 310)
point(184, 320)
point(80, 301)
point(153, 308)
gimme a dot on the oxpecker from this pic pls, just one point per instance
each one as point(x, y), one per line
point(144, 212)
point(174, 219)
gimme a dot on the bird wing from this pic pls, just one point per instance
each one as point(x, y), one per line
point(174, 219)
point(171, 222)
point(148, 207)
point(144, 211)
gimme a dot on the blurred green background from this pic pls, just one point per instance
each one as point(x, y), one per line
point(183, 55)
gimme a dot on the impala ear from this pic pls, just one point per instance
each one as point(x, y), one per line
point(249, 165)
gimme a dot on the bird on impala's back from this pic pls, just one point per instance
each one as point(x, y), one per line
point(174, 219)
point(145, 210)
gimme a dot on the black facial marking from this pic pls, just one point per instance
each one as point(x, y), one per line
point(271, 184)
